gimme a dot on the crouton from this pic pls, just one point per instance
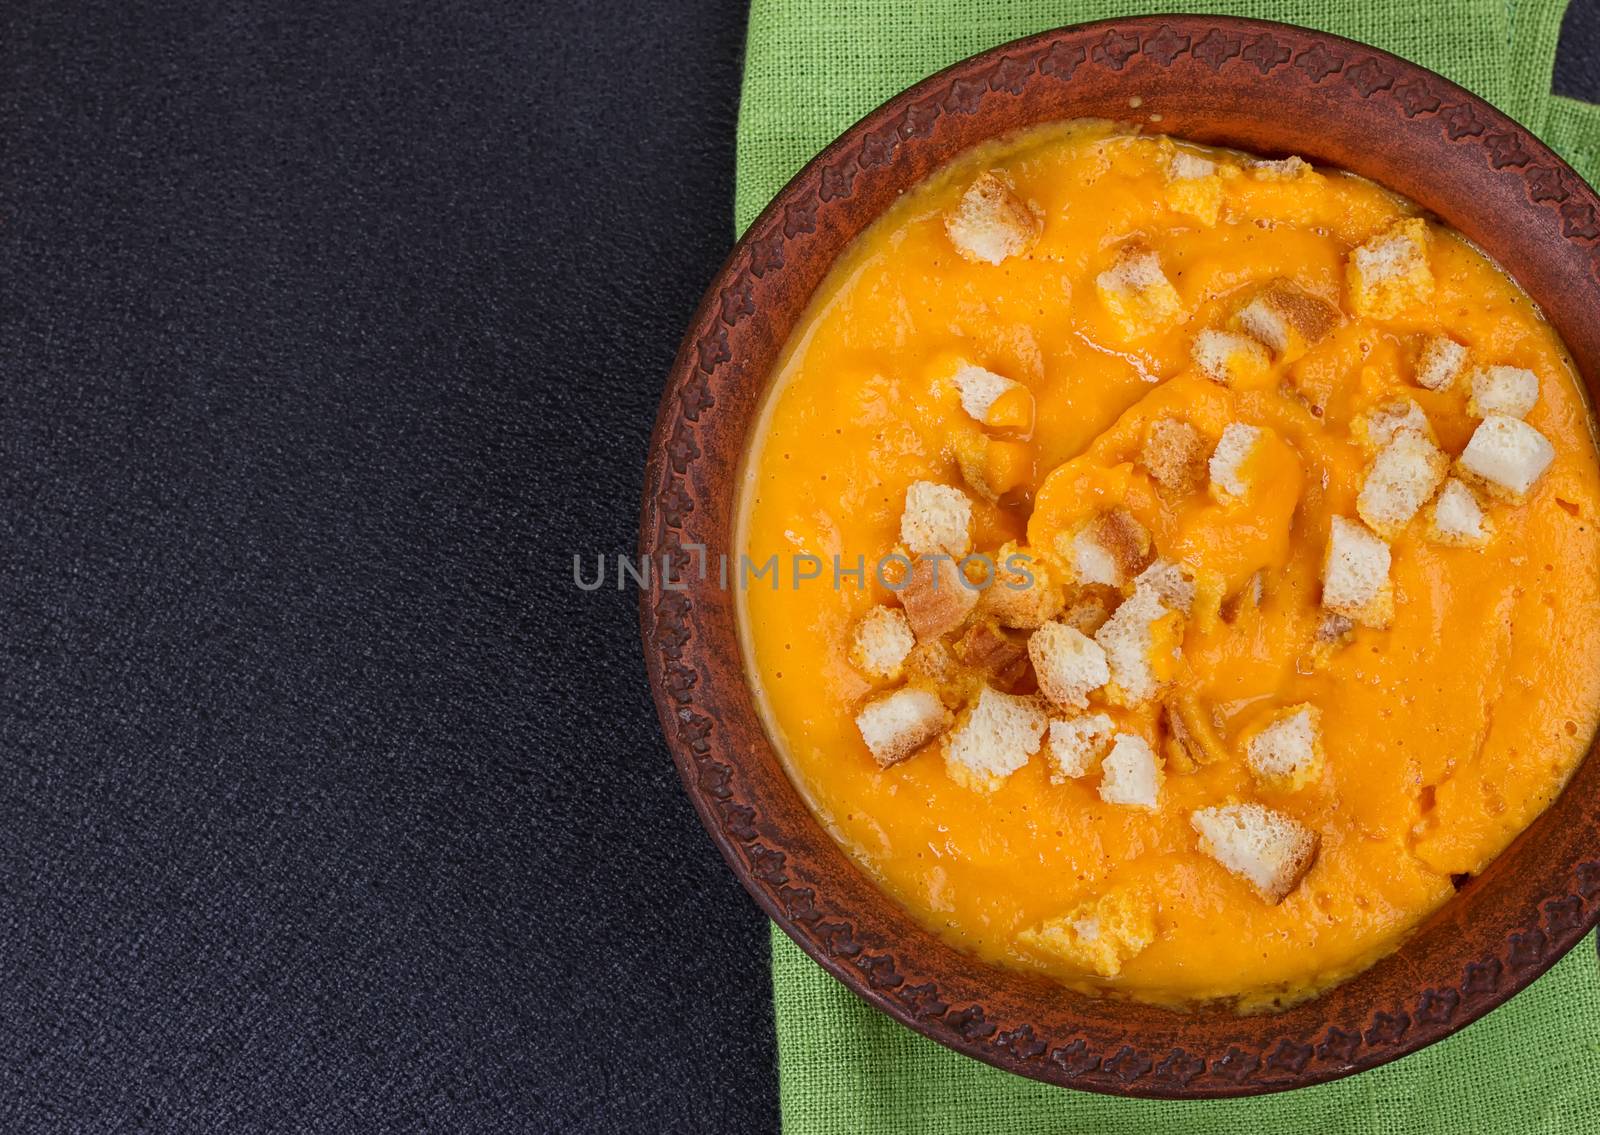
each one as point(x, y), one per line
point(937, 598)
point(1140, 641)
point(937, 518)
point(1068, 664)
point(1098, 936)
point(880, 642)
point(1230, 358)
point(1110, 549)
point(931, 664)
point(1288, 319)
point(1174, 455)
point(1512, 391)
point(1174, 584)
point(993, 739)
point(1391, 272)
point(1194, 187)
point(991, 222)
point(1076, 743)
point(1285, 169)
point(897, 724)
point(1402, 478)
point(993, 467)
point(1355, 575)
point(1131, 773)
point(1378, 426)
point(1228, 461)
point(1138, 294)
point(1190, 741)
point(987, 649)
point(1270, 851)
point(1087, 608)
point(1457, 518)
point(1287, 753)
point(982, 391)
point(1506, 456)
point(1440, 363)
point(1024, 591)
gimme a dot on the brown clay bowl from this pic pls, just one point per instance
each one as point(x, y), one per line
point(1263, 87)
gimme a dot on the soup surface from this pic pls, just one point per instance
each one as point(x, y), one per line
point(1241, 573)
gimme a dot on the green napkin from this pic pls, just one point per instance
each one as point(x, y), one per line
point(813, 67)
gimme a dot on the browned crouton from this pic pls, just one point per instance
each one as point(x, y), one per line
point(1068, 664)
point(880, 642)
point(1024, 591)
point(1288, 319)
point(1269, 850)
point(1174, 455)
point(992, 222)
point(989, 650)
point(1111, 549)
point(897, 724)
point(937, 598)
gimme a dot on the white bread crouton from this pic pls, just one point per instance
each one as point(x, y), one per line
point(1174, 455)
point(980, 389)
point(1229, 358)
point(936, 598)
point(880, 642)
point(1137, 293)
point(1024, 591)
point(1141, 641)
point(1402, 478)
point(897, 724)
point(992, 223)
point(1457, 518)
point(1512, 391)
point(1378, 426)
point(1131, 773)
point(1068, 664)
point(1173, 584)
point(1287, 754)
point(1098, 936)
point(1288, 319)
point(1270, 851)
point(1391, 272)
point(1077, 743)
point(993, 739)
point(1110, 549)
point(1506, 456)
point(1194, 187)
point(1227, 465)
point(1440, 363)
point(1285, 169)
point(937, 518)
point(1355, 575)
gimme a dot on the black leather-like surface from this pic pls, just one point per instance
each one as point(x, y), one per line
point(328, 334)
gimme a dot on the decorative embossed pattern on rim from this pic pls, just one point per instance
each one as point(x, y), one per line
point(1259, 86)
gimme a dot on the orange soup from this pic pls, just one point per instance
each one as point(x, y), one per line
point(1187, 563)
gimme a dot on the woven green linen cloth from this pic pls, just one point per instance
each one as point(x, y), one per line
point(812, 68)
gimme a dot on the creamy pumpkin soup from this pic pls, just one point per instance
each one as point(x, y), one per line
point(1209, 563)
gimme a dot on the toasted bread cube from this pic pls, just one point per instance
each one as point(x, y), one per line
point(1440, 363)
point(880, 642)
point(1457, 518)
point(1174, 455)
point(1191, 742)
point(992, 223)
point(1194, 187)
point(987, 649)
point(1270, 851)
point(1098, 936)
point(1131, 773)
point(1403, 477)
point(1087, 608)
point(980, 389)
point(937, 598)
point(1355, 575)
point(1512, 391)
point(1110, 549)
point(1068, 664)
point(1228, 461)
point(931, 664)
point(1285, 169)
point(1140, 642)
point(1075, 744)
point(937, 518)
point(897, 724)
point(1287, 754)
point(1138, 293)
point(1024, 592)
point(1379, 426)
point(1288, 319)
point(1506, 456)
point(1174, 584)
point(1391, 272)
point(1230, 358)
point(993, 739)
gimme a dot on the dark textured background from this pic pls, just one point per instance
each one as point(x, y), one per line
point(328, 332)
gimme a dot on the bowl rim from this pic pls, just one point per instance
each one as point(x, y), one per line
point(1533, 903)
